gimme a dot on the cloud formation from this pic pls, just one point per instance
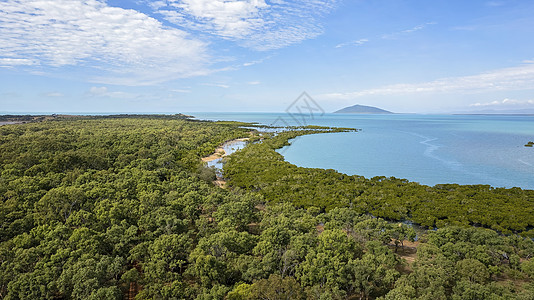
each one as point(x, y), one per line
point(254, 24)
point(219, 85)
point(504, 103)
point(507, 79)
point(389, 36)
point(103, 91)
point(98, 91)
point(123, 46)
point(12, 62)
point(407, 31)
point(255, 62)
point(353, 43)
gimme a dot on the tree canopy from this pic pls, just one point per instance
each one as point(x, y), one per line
point(117, 207)
point(260, 168)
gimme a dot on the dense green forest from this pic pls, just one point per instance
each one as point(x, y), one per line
point(260, 168)
point(122, 207)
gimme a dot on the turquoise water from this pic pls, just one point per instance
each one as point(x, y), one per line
point(429, 149)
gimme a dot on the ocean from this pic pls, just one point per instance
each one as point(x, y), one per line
point(429, 149)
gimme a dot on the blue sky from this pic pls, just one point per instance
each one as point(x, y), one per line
point(259, 55)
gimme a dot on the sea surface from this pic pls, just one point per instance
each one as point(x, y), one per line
point(429, 149)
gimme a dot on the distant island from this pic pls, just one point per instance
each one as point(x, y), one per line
point(362, 109)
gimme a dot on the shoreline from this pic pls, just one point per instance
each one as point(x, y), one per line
point(220, 152)
point(10, 123)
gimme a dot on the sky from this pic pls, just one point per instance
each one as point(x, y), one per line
point(142, 56)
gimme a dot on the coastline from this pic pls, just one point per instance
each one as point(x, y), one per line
point(220, 152)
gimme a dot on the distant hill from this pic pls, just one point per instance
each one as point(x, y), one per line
point(362, 109)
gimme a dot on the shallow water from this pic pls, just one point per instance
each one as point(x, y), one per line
point(229, 148)
point(429, 149)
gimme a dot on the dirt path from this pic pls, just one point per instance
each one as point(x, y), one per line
point(408, 252)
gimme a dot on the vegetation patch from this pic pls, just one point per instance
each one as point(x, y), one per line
point(260, 168)
point(121, 207)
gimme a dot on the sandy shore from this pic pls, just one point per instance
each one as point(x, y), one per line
point(219, 152)
point(9, 123)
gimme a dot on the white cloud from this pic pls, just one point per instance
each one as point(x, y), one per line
point(387, 36)
point(254, 82)
point(254, 24)
point(505, 102)
point(181, 91)
point(220, 85)
point(353, 43)
point(251, 63)
point(98, 91)
point(508, 79)
point(255, 62)
point(407, 31)
point(123, 46)
point(226, 18)
point(105, 92)
point(11, 62)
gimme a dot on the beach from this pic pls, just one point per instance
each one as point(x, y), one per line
point(9, 123)
point(224, 150)
point(214, 160)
